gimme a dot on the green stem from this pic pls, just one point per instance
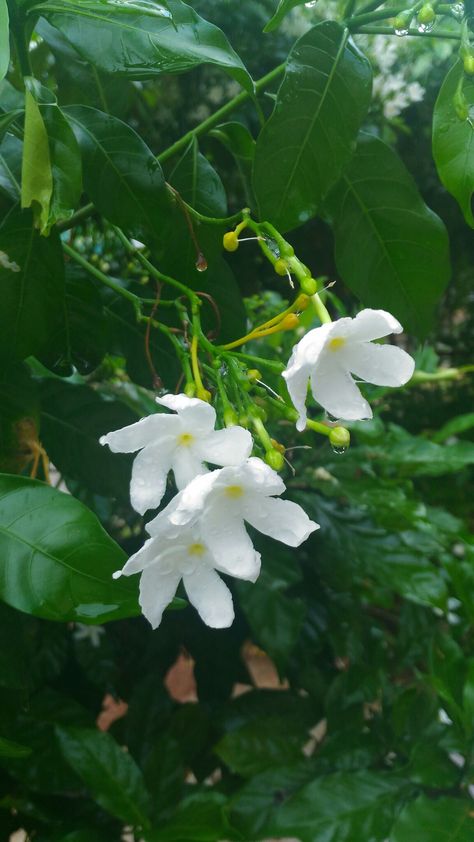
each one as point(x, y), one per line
point(321, 310)
point(104, 279)
point(210, 220)
point(379, 14)
point(441, 374)
point(154, 272)
point(76, 219)
point(388, 30)
point(220, 114)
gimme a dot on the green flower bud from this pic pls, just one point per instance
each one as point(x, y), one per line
point(308, 286)
point(340, 437)
point(231, 419)
point(468, 64)
point(426, 14)
point(274, 459)
point(281, 266)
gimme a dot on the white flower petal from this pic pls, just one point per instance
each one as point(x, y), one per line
point(258, 477)
point(226, 447)
point(373, 324)
point(157, 589)
point(154, 551)
point(304, 357)
point(297, 380)
point(281, 519)
point(335, 390)
point(146, 431)
point(190, 502)
point(210, 596)
point(383, 365)
point(229, 543)
point(186, 466)
point(149, 473)
point(197, 416)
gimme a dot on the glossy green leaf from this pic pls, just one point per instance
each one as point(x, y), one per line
point(453, 140)
point(56, 561)
point(10, 749)
point(4, 39)
point(198, 183)
point(142, 46)
point(11, 150)
point(345, 806)
point(121, 175)
point(73, 419)
point(308, 140)
point(284, 6)
point(236, 138)
point(110, 773)
point(36, 174)
point(430, 820)
point(199, 818)
point(402, 247)
point(19, 417)
point(32, 287)
point(262, 744)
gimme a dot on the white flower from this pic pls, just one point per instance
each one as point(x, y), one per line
point(166, 559)
point(222, 501)
point(90, 633)
point(328, 354)
point(181, 443)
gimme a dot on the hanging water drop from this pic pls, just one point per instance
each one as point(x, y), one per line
point(401, 32)
point(311, 4)
point(457, 11)
point(423, 28)
point(338, 448)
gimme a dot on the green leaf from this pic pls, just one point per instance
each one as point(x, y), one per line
point(110, 773)
point(459, 424)
point(284, 6)
point(198, 183)
point(36, 174)
point(142, 46)
point(32, 288)
point(260, 745)
point(11, 150)
point(199, 818)
point(19, 417)
point(236, 138)
point(72, 421)
point(344, 806)
point(4, 39)
point(11, 749)
point(56, 561)
point(79, 341)
point(402, 247)
point(121, 175)
point(440, 820)
point(305, 145)
point(453, 140)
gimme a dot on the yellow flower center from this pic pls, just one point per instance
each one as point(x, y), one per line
point(336, 343)
point(185, 439)
point(234, 491)
point(196, 549)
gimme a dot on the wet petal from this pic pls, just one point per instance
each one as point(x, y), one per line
point(198, 417)
point(335, 390)
point(210, 596)
point(226, 447)
point(383, 365)
point(304, 357)
point(229, 544)
point(149, 430)
point(149, 472)
point(281, 519)
point(157, 589)
point(373, 324)
point(186, 466)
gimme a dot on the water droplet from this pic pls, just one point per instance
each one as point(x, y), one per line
point(426, 27)
point(331, 418)
point(201, 263)
point(311, 4)
point(338, 449)
point(401, 32)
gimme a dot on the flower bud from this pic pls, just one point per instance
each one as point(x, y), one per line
point(308, 286)
point(289, 322)
point(274, 459)
point(302, 302)
point(230, 241)
point(468, 64)
point(254, 374)
point(281, 266)
point(190, 390)
point(203, 394)
point(402, 22)
point(278, 445)
point(426, 14)
point(340, 437)
point(231, 419)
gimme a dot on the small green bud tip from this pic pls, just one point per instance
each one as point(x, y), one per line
point(230, 241)
point(281, 266)
point(231, 419)
point(190, 390)
point(468, 64)
point(274, 459)
point(203, 395)
point(403, 20)
point(308, 286)
point(254, 374)
point(426, 14)
point(340, 437)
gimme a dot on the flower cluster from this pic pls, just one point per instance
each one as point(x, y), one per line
point(202, 531)
point(394, 89)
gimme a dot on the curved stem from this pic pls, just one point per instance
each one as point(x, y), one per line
point(104, 279)
point(448, 34)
